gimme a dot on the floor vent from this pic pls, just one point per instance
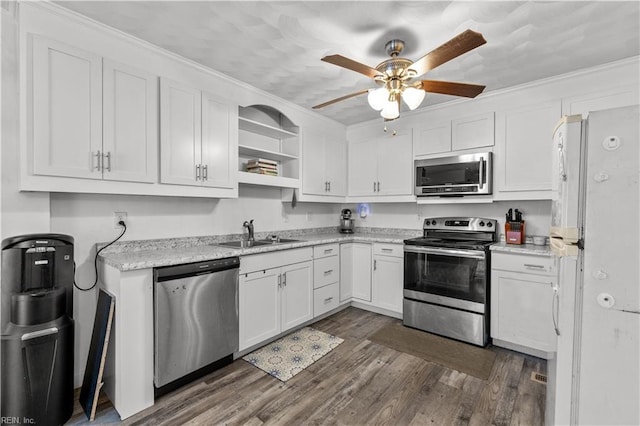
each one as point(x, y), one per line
point(540, 378)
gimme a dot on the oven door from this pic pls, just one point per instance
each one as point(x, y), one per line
point(450, 277)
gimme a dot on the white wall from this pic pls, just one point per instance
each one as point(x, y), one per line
point(89, 219)
point(537, 214)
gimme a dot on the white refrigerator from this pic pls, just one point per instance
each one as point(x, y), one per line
point(594, 377)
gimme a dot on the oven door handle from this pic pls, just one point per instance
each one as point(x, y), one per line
point(472, 254)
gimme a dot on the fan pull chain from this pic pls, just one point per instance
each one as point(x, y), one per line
point(385, 130)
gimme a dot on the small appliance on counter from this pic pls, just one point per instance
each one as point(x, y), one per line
point(37, 328)
point(514, 227)
point(346, 223)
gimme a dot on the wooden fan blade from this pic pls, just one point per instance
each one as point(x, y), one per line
point(451, 88)
point(352, 65)
point(462, 43)
point(342, 98)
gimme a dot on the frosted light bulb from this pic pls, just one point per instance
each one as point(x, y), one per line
point(412, 97)
point(391, 110)
point(377, 98)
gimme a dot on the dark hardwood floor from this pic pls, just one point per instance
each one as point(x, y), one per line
point(357, 383)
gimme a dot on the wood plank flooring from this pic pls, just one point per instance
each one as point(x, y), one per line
point(358, 383)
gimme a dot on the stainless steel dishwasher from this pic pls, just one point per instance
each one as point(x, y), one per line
point(195, 320)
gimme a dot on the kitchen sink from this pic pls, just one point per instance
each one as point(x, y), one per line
point(256, 243)
point(244, 243)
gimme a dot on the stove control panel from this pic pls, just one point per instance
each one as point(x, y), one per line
point(460, 224)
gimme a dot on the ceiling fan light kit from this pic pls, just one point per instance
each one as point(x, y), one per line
point(396, 75)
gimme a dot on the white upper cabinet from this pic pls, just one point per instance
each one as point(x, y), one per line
point(323, 163)
point(130, 124)
point(67, 110)
point(197, 137)
point(432, 138)
point(382, 166)
point(219, 131)
point(92, 118)
point(472, 132)
point(523, 152)
point(453, 135)
point(600, 100)
point(180, 134)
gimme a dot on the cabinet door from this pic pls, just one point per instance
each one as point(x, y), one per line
point(361, 271)
point(523, 156)
point(335, 161)
point(297, 294)
point(346, 271)
point(259, 306)
point(67, 110)
point(473, 132)
point(432, 139)
point(521, 310)
point(219, 121)
point(130, 123)
point(313, 154)
point(387, 283)
point(363, 168)
point(180, 134)
point(395, 165)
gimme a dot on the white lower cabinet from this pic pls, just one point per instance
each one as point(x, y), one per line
point(326, 278)
point(388, 275)
point(355, 271)
point(274, 299)
point(522, 300)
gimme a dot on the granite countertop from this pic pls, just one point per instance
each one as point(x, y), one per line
point(132, 255)
point(522, 249)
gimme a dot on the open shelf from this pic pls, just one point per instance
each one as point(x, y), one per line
point(265, 180)
point(250, 151)
point(264, 129)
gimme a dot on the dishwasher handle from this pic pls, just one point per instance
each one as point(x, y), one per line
point(175, 272)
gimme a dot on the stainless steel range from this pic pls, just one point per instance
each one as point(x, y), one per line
point(446, 278)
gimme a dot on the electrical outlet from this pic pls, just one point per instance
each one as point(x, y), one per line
point(117, 217)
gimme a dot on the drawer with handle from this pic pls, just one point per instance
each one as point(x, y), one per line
point(325, 299)
point(326, 250)
point(326, 271)
point(530, 264)
point(394, 250)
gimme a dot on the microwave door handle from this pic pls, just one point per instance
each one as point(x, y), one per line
point(471, 254)
point(481, 172)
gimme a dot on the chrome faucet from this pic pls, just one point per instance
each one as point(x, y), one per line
point(249, 226)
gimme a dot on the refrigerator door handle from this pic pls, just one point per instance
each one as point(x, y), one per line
point(555, 307)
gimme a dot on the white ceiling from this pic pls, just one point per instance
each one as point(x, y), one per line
point(277, 46)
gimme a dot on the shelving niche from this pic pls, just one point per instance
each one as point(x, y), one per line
point(266, 133)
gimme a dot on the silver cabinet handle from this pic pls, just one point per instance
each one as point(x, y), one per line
point(328, 272)
point(387, 250)
point(375, 264)
point(279, 280)
point(530, 265)
point(98, 166)
point(205, 172)
point(378, 186)
point(108, 156)
point(374, 187)
point(329, 186)
point(284, 279)
point(197, 171)
point(327, 251)
point(328, 299)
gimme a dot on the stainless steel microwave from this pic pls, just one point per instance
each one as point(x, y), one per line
point(468, 174)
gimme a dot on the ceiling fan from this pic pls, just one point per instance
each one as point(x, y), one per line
point(397, 76)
